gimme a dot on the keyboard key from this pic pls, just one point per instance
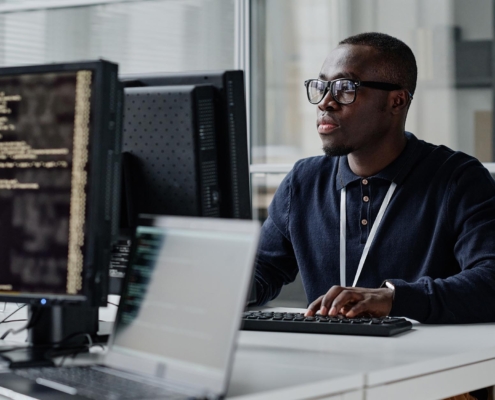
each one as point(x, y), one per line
point(392, 320)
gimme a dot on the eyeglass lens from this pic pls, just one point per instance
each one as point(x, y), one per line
point(343, 91)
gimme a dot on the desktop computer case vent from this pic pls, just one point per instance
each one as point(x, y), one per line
point(170, 133)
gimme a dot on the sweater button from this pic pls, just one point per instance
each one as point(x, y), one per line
point(364, 222)
point(366, 199)
point(365, 181)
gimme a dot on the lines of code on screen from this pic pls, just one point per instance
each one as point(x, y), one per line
point(149, 243)
point(44, 124)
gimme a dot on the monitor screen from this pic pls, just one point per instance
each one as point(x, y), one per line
point(48, 163)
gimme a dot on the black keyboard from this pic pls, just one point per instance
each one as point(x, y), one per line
point(96, 384)
point(297, 322)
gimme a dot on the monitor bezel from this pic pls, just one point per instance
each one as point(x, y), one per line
point(92, 273)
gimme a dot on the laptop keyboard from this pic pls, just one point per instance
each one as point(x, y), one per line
point(297, 322)
point(96, 384)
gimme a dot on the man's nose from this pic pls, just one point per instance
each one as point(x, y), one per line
point(328, 102)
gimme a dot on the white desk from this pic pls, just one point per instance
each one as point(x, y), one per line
point(265, 372)
point(257, 374)
point(429, 362)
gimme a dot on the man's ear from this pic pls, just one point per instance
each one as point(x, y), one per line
point(399, 101)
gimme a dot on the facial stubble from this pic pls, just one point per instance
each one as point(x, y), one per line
point(337, 151)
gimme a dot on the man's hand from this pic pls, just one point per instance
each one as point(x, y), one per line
point(353, 302)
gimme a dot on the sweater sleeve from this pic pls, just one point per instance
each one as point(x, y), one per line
point(276, 263)
point(468, 296)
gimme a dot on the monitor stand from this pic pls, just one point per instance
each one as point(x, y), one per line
point(53, 329)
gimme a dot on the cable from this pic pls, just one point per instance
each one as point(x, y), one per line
point(12, 313)
point(50, 352)
point(68, 350)
point(64, 351)
point(63, 359)
point(14, 331)
point(75, 353)
point(15, 320)
point(113, 304)
point(79, 351)
point(30, 323)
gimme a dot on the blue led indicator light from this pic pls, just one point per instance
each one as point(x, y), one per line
point(43, 301)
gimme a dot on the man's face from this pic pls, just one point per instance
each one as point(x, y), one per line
point(345, 129)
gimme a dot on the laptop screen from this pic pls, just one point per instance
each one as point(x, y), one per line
point(185, 292)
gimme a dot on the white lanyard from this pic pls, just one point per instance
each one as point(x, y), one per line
point(374, 228)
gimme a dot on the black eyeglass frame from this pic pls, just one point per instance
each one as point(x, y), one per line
point(371, 84)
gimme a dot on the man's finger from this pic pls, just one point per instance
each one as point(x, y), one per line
point(344, 310)
point(360, 308)
point(345, 297)
point(313, 307)
point(328, 299)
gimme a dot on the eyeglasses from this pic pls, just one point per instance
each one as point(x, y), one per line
point(343, 90)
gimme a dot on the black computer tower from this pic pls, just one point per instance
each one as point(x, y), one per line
point(169, 136)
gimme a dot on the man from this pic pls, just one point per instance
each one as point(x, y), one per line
point(417, 221)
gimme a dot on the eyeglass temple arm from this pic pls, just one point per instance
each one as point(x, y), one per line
point(384, 86)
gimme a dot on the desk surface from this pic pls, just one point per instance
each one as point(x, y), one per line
point(265, 370)
point(257, 373)
point(430, 361)
point(426, 350)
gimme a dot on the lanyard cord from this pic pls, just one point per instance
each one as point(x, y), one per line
point(374, 228)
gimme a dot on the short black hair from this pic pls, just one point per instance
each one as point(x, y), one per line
point(399, 63)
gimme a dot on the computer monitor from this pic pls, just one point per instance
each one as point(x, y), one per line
point(185, 151)
point(60, 145)
point(230, 126)
point(169, 160)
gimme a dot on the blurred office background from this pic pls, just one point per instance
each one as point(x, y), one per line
point(279, 44)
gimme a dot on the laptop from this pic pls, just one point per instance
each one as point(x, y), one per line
point(178, 318)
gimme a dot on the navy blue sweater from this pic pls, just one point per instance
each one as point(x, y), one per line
point(436, 241)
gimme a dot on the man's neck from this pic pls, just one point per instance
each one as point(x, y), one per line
point(372, 160)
